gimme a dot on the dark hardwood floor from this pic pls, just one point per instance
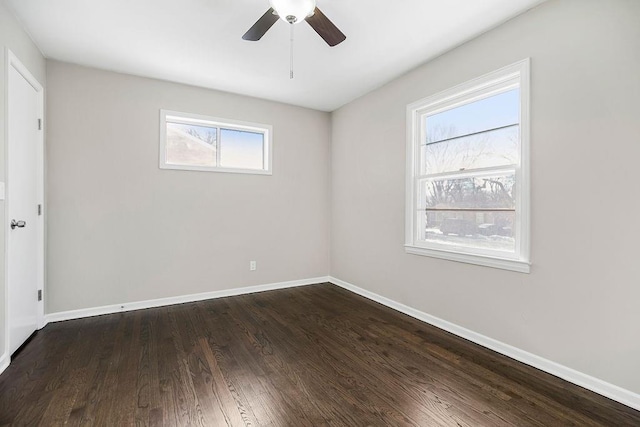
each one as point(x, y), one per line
point(315, 355)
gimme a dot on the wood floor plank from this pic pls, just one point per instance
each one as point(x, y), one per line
point(154, 403)
point(309, 356)
point(95, 362)
point(229, 352)
point(224, 402)
point(143, 377)
point(124, 403)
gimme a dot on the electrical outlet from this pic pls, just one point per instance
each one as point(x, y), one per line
point(252, 266)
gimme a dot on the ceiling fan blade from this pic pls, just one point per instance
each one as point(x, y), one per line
point(261, 26)
point(325, 28)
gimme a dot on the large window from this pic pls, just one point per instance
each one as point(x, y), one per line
point(193, 142)
point(467, 172)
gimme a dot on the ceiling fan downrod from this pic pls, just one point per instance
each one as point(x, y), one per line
point(291, 48)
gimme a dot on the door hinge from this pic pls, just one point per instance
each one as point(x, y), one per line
point(39, 209)
point(39, 294)
point(39, 124)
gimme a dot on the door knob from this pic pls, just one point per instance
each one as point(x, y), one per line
point(19, 224)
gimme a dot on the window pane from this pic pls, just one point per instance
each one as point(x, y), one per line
point(485, 192)
point(493, 148)
point(241, 149)
point(489, 113)
point(191, 145)
point(483, 230)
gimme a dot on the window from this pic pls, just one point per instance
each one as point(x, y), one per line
point(193, 142)
point(467, 172)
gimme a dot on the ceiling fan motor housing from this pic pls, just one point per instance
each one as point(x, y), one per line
point(293, 11)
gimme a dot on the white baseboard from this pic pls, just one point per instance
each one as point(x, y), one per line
point(619, 394)
point(4, 362)
point(138, 305)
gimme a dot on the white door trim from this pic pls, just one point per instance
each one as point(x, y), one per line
point(12, 60)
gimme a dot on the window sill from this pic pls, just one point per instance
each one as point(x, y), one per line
point(170, 166)
point(501, 263)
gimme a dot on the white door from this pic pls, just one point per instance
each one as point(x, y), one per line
point(23, 174)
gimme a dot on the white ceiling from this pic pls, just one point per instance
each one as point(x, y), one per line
point(198, 42)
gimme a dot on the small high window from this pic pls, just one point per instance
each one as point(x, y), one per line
point(467, 172)
point(194, 142)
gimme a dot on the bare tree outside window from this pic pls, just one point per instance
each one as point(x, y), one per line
point(469, 208)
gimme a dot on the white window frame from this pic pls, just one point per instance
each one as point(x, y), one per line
point(515, 75)
point(197, 119)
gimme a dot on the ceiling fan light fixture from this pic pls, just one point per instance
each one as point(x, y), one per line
point(293, 11)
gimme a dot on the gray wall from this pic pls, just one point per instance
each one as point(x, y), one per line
point(122, 230)
point(579, 305)
point(13, 37)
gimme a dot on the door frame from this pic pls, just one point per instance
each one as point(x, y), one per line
point(11, 60)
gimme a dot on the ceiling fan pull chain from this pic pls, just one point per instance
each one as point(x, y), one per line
point(291, 67)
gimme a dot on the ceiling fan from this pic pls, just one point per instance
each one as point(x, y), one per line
point(294, 12)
